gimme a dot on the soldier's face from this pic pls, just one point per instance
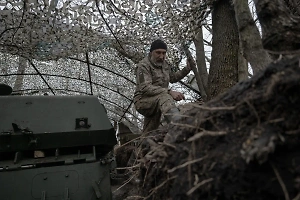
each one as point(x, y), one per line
point(158, 56)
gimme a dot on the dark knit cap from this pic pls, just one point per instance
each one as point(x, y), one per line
point(158, 44)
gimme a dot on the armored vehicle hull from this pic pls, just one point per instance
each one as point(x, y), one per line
point(54, 148)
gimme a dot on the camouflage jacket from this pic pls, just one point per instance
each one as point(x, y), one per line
point(152, 80)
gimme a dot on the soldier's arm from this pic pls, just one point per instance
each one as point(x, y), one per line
point(144, 82)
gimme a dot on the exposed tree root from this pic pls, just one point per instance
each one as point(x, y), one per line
point(224, 148)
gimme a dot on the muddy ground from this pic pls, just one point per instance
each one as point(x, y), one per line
point(244, 144)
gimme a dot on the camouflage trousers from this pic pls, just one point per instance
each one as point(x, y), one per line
point(152, 108)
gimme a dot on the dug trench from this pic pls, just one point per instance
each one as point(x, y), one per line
point(244, 144)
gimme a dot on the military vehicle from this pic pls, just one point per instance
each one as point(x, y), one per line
point(54, 147)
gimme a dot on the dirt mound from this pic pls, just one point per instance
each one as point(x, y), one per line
point(242, 145)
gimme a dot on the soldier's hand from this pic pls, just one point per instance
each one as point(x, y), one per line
point(177, 95)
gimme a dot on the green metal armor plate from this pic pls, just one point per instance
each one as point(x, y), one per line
point(55, 148)
point(43, 122)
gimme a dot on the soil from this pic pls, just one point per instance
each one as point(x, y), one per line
point(244, 144)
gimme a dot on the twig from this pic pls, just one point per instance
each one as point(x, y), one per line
point(39, 73)
point(146, 174)
point(159, 186)
point(185, 164)
point(292, 132)
point(135, 166)
point(89, 71)
point(126, 182)
point(127, 109)
point(8, 29)
point(189, 170)
point(189, 87)
point(125, 14)
point(255, 112)
point(286, 194)
point(167, 144)
point(107, 25)
point(104, 68)
point(23, 14)
point(135, 197)
point(276, 120)
point(212, 166)
point(198, 185)
point(297, 197)
point(137, 138)
point(184, 125)
point(215, 108)
point(204, 133)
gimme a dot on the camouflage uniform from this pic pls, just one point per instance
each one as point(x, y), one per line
point(151, 97)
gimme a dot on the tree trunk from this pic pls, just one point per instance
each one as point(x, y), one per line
point(223, 73)
point(280, 24)
point(250, 38)
point(21, 69)
point(200, 59)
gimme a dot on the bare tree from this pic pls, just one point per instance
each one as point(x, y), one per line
point(21, 69)
point(223, 72)
point(200, 59)
point(251, 43)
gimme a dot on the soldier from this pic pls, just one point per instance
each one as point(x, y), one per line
point(152, 98)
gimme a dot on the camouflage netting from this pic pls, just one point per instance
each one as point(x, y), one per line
point(88, 47)
point(47, 30)
point(242, 145)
